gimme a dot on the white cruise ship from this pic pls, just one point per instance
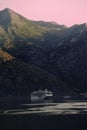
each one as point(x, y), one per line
point(41, 95)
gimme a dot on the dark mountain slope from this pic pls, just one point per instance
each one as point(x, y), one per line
point(70, 57)
point(19, 79)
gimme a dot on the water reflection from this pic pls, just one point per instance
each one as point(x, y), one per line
point(46, 108)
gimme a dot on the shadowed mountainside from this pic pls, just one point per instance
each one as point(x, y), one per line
point(19, 79)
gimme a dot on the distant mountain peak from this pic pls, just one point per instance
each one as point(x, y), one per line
point(84, 24)
point(6, 11)
point(5, 16)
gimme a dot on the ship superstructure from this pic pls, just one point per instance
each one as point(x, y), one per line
point(41, 95)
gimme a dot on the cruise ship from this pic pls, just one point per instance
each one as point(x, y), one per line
point(41, 95)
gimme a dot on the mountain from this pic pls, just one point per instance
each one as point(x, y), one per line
point(15, 28)
point(66, 59)
point(70, 57)
point(20, 79)
point(19, 35)
point(49, 55)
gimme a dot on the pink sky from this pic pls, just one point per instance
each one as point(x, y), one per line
point(66, 12)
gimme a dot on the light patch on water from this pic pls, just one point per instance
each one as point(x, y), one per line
point(53, 108)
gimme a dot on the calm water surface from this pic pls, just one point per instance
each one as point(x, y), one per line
point(67, 115)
